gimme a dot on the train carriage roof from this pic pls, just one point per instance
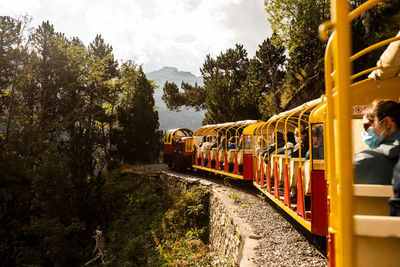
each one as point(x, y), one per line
point(212, 129)
point(179, 129)
point(297, 109)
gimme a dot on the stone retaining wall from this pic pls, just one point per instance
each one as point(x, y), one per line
point(225, 236)
point(230, 236)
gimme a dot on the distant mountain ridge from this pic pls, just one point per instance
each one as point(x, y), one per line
point(188, 118)
point(172, 74)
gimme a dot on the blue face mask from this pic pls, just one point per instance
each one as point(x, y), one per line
point(371, 139)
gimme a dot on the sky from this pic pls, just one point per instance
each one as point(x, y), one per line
point(154, 33)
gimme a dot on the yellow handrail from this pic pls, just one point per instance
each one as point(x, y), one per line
point(342, 114)
point(373, 47)
point(365, 6)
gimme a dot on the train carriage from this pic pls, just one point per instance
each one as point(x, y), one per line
point(360, 232)
point(178, 148)
point(295, 183)
point(233, 161)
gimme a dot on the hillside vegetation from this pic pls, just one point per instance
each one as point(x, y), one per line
point(146, 225)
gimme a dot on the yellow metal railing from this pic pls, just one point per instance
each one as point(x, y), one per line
point(338, 141)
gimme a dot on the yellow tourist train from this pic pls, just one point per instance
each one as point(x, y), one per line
point(302, 159)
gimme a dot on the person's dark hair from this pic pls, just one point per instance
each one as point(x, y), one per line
point(279, 136)
point(385, 108)
point(290, 137)
point(304, 131)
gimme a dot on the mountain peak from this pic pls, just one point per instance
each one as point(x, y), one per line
point(172, 74)
point(171, 119)
point(168, 69)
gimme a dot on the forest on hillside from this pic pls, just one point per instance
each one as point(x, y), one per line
point(68, 113)
point(288, 67)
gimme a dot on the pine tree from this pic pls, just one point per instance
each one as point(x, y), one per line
point(138, 138)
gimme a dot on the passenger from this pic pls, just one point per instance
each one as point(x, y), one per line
point(394, 202)
point(263, 142)
point(214, 142)
point(382, 135)
point(202, 141)
point(241, 143)
point(206, 145)
point(303, 142)
point(281, 143)
point(232, 142)
point(222, 144)
point(290, 144)
point(291, 138)
point(289, 148)
point(317, 144)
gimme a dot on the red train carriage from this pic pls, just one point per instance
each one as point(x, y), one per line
point(225, 149)
point(178, 148)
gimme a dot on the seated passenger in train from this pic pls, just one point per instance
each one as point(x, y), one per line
point(290, 144)
point(232, 143)
point(382, 135)
point(317, 143)
point(206, 145)
point(394, 202)
point(213, 142)
point(303, 143)
point(222, 144)
point(261, 142)
point(241, 143)
point(280, 141)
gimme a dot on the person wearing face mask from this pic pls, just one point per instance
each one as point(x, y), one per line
point(382, 135)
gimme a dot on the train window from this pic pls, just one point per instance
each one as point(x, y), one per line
point(248, 140)
point(317, 138)
point(169, 138)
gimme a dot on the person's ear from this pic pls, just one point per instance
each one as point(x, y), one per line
point(388, 122)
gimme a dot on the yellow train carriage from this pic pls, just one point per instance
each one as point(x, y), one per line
point(284, 167)
point(224, 149)
point(358, 236)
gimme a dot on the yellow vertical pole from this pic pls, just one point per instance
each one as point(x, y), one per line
point(342, 131)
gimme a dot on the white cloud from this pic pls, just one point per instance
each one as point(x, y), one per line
point(154, 33)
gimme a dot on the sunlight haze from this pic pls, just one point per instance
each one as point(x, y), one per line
point(155, 33)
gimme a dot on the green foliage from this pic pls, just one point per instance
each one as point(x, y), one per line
point(58, 132)
point(235, 88)
point(223, 79)
point(132, 207)
point(185, 230)
point(262, 89)
point(296, 25)
point(138, 138)
point(190, 213)
point(172, 97)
